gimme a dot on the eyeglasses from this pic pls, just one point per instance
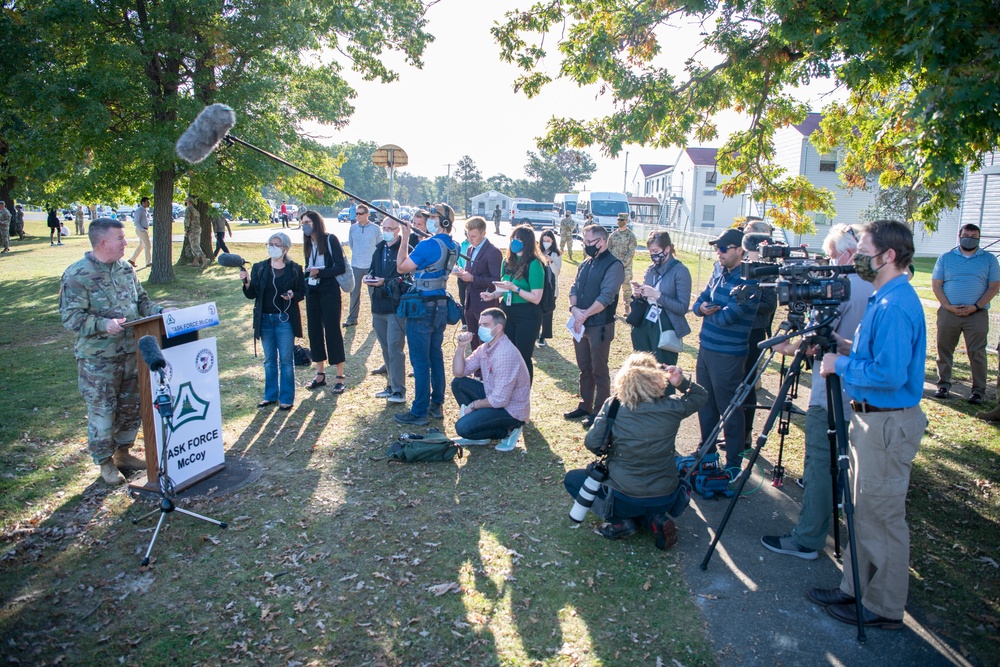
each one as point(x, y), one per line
point(362, 212)
point(389, 229)
point(723, 251)
point(592, 243)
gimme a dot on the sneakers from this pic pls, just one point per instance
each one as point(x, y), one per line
point(664, 531)
point(435, 411)
point(976, 399)
point(110, 474)
point(410, 418)
point(942, 392)
point(125, 461)
point(785, 544)
point(396, 397)
point(618, 531)
point(385, 393)
point(508, 443)
point(542, 343)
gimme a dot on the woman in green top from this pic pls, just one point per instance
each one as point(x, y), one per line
point(519, 290)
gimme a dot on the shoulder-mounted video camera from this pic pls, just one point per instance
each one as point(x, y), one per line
point(802, 282)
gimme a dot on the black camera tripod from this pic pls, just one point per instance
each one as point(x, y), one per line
point(164, 406)
point(837, 432)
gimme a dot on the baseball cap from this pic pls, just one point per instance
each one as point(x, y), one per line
point(623, 216)
point(730, 237)
point(444, 211)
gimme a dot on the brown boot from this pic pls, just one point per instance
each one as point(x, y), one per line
point(990, 415)
point(126, 462)
point(110, 474)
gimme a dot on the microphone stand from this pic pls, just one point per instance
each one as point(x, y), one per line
point(164, 405)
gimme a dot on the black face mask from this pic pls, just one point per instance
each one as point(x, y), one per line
point(591, 250)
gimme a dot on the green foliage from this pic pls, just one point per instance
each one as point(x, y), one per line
point(922, 76)
point(468, 174)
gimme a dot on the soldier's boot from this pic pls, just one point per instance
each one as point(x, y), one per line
point(125, 461)
point(991, 415)
point(110, 474)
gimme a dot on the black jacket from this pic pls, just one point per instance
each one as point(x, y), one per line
point(384, 266)
point(260, 272)
point(334, 265)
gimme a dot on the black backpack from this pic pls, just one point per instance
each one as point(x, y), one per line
point(548, 302)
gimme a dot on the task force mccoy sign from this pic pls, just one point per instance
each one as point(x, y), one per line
point(194, 438)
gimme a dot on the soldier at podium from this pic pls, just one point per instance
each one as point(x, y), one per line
point(97, 295)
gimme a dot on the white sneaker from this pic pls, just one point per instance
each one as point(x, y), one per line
point(508, 443)
point(465, 442)
point(385, 393)
point(396, 397)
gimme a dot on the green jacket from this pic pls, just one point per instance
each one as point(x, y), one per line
point(91, 293)
point(641, 463)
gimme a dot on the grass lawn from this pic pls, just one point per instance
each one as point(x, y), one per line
point(333, 558)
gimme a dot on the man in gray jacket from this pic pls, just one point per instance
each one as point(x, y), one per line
point(141, 219)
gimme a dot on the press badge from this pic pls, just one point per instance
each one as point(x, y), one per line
point(509, 297)
point(653, 314)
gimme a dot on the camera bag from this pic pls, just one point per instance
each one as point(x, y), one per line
point(435, 446)
point(709, 479)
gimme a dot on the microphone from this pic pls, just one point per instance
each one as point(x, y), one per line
point(150, 352)
point(208, 129)
point(230, 260)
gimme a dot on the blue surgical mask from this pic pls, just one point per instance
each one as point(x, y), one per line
point(307, 229)
point(516, 245)
point(389, 237)
point(432, 225)
point(485, 334)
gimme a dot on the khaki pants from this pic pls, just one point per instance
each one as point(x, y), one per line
point(144, 244)
point(883, 445)
point(975, 328)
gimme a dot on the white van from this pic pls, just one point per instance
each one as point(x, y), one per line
point(605, 206)
point(537, 214)
point(566, 201)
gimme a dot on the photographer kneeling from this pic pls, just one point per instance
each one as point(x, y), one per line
point(642, 485)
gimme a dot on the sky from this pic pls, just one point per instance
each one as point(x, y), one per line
point(462, 102)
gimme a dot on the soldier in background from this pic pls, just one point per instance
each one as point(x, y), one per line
point(97, 295)
point(4, 228)
point(622, 243)
point(566, 229)
point(78, 220)
point(192, 229)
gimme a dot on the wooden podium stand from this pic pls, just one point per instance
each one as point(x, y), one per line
point(153, 326)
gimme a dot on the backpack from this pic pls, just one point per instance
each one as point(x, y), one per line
point(433, 447)
point(709, 479)
point(548, 302)
point(302, 356)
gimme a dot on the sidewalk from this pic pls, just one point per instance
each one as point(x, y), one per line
point(753, 601)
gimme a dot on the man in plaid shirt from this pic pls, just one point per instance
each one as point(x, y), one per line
point(497, 407)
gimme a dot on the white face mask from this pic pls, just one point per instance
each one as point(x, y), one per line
point(275, 252)
point(486, 334)
point(432, 225)
point(546, 244)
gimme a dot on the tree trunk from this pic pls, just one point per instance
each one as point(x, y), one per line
point(163, 218)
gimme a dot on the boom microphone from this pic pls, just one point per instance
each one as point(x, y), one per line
point(150, 352)
point(208, 129)
point(231, 260)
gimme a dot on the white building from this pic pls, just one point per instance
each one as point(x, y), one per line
point(485, 203)
point(696, 202)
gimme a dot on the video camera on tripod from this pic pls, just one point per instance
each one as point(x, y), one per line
point(803, 282)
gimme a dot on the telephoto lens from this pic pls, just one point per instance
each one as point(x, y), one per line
point(596, 474)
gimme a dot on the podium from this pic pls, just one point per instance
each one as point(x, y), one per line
point(154, 326)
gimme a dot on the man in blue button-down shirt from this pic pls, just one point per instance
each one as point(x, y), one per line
point(883, 373)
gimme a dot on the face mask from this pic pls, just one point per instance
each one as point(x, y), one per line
point(389, 237)
point(591, 250)
point(657, 257)
point(546, 245)
point(863, 267)
point(968, 244)
point(275, 252)
point(432, 225)
point(516, 246)
point(307, 229)
point(485, 334)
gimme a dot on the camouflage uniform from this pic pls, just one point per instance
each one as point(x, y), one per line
point(5, 230)
point(622, 244)
point(566, 229)
point(90, 294)
point(192, 228)
point(78, 220)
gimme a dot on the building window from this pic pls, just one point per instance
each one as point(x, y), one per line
point(708, 213)
point(828, 162)
point(821, 219)
point(710, 193)
point(711, 177)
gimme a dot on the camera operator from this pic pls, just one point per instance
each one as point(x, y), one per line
point(642, 483)
point(883, 372)
point(723, 341)
point(808, 535)
point(385, 286)
point(761, 327)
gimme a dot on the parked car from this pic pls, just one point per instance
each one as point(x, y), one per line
point(344, 215)
point(540, 215)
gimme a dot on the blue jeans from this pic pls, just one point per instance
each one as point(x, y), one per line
point(425, 337)
point(620, 506)
point(278, 342)
point(484, 423)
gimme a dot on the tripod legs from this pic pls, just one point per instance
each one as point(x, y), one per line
point(166, 507)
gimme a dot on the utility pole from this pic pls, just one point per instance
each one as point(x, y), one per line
point(447, 185)
point(625, 181)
